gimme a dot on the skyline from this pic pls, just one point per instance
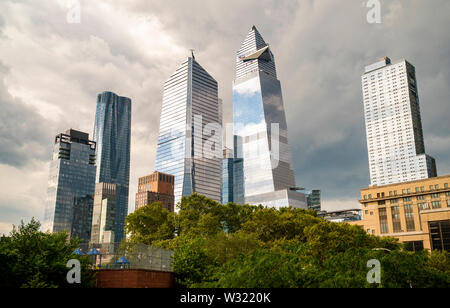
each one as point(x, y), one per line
point(36, 91)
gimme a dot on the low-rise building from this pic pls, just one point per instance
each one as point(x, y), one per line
point(416, 212)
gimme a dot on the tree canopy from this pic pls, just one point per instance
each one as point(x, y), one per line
point(33, 259)
point(240, 246)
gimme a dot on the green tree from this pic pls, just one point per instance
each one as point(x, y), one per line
point(150, 223)
point(30, 258)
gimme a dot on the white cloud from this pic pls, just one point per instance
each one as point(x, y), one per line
point(56, 70)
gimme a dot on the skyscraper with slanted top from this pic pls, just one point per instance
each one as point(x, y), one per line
point(260, 122)
point(190, 136)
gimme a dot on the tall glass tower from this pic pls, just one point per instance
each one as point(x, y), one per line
point(393, 124)
point(190, 136)
point(259, 119)
point(71, 185)
point(112, 133)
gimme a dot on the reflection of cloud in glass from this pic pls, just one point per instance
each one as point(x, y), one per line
point(248, 88)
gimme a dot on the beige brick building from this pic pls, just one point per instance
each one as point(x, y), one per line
point(416, 212)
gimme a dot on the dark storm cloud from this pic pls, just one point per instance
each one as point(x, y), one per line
point(320, 47)
point(23, 131)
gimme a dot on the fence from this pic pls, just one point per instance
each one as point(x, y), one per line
point(133, 256)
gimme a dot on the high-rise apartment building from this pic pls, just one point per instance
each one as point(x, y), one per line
point(156, 187)
point(112, 132)
point(71, 185)
point(260, 122)
point(190, 137)
point(393, 124)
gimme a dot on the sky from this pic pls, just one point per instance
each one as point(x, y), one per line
point(53, 64)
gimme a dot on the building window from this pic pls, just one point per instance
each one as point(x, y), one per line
point(414, 246)
point(446, 185)
point(393, 201)
point(383, 221)
point(409, 199)
point(440, 235)
point(421, 197)
point(422, 189)
point(397, 226)
point(435, 196)
point(409, 215)
point(436, 204)
point(382, 202)
point(447, 194)
point(423, 206)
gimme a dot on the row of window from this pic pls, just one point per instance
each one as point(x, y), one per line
point(408, 191)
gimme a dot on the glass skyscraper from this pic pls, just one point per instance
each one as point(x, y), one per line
point(112, 133)
point(232, 178)
point(393, 124)
point(71, 185)
point(259, 119)
point(190, 136)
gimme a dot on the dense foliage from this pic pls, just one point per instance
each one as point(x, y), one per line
point(33, 259)
point(251, 246)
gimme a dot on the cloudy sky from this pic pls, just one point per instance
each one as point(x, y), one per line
point(51, 71)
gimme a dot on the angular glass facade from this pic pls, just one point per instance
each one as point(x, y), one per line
point(190, 137)
point(71, 185)
point(112, 132)
point(260, 121)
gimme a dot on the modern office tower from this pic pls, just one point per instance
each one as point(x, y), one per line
point(104, 213)
point(190, 137)
point(71, 185)
point(313, 200)
point(232, 178)
point(259, 119)
point(393, 124)
point(156, 187)
point(112, 133)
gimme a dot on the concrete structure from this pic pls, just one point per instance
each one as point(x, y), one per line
point(260, 122)
point(156, 187)
point(393, 124)
point(415, 212)
point(190, 136)
point(71, 185)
